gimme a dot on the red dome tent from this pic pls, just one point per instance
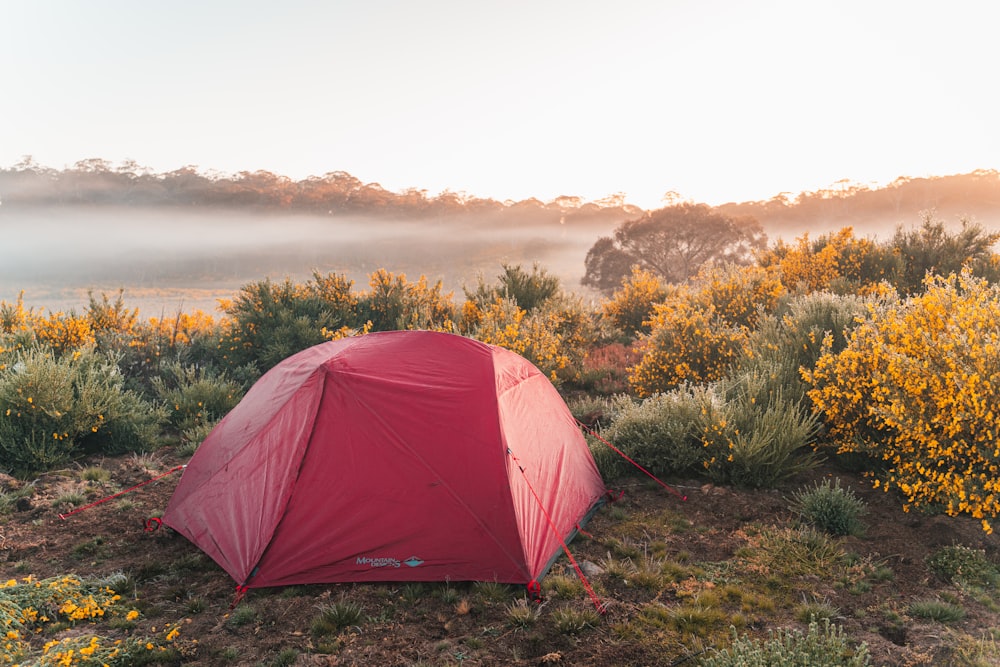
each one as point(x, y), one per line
point(393, 456)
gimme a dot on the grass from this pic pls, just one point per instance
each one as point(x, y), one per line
point(9, 499)
point(674, 586)
point(491, 591)
point(242, 615)
point(523, 614)
point(816, 610)
point(563, 586)
point(937, 610)
point(336, 616)
point(95, 474)
point(572, 621)
point(285, 658)
point(72, 499)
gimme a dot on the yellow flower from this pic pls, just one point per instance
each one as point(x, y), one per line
point(132, 615)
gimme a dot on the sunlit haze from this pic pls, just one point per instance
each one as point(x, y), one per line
point(715, 100)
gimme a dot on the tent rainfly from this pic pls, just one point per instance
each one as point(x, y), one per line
point(392, 456)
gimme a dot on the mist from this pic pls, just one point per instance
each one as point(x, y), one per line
point(169, 260)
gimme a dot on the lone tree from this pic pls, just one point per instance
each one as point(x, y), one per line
point(672, 243)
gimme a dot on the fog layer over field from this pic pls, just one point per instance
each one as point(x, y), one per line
point(169, 259)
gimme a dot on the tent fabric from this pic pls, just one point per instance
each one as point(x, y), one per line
point(392, 456)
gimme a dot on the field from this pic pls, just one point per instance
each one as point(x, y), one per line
point(824, 409)
point(674, 577)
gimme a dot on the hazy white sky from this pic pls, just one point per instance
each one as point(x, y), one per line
point(719, 100)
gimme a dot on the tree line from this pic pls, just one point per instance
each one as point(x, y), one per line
point(98, 182)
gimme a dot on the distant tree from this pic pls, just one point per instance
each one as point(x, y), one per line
point(672, 243)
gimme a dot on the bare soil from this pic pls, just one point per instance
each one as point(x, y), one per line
point(455, 623)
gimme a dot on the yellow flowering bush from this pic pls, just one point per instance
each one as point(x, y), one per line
point(28, 605)
point(167, 334)
point(917, 388)
point(535, 337)
point(396, 303)
point(630, 307)
point(686, 343)
point(702, 328)
point(112, 321)
point(837, 260)
point(739, 294)
point(14, 317)
point(64, 333)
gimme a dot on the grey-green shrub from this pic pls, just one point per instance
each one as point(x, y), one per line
point(823, 645)
point(55, 409)
point(958, 563)
point(754, 436)
point(662, 433)
point(830, 507)
point(791, 338)
point(740, 430)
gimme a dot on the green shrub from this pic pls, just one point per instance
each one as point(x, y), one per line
point(830, 507)
point(823, 645)
point(191, 438)
point(271, 321)
point(528, 290)
point(195, 396)
point(931, 248)
point(55, 409)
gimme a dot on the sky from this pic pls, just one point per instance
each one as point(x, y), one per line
point(715, 100)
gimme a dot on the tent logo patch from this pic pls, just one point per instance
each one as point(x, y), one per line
point(413, 561)
point(377, 562)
